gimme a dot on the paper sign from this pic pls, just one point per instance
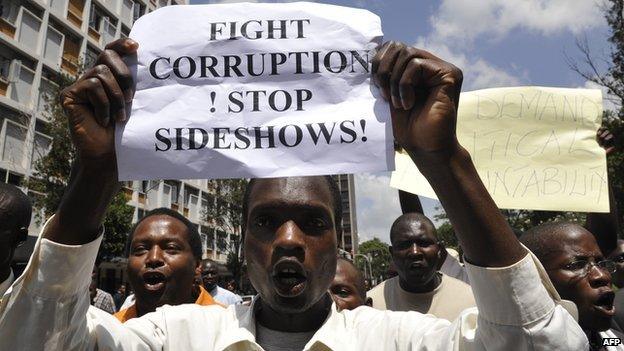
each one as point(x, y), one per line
point(254, 90)
point(534, 148)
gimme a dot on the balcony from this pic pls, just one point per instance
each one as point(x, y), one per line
point(108, 31)
point(75, 10)
point(71, 53)
point(58, 7)
point(7, 27)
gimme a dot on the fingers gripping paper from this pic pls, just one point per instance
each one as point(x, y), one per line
point(254, 90)
point(534, 148)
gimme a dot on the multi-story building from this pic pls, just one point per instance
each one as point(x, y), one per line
point(348, 239)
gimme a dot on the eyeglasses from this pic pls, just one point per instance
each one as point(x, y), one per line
point(583, 267)
point(618, 258)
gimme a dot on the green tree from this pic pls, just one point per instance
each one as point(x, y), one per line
point(51, 173)
point(226, 214)
point(379, 254)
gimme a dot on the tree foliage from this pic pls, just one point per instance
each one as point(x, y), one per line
point(379, 254)
point(226, 215)
point(52, 171)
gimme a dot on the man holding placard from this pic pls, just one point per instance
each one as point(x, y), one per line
point(290, 243)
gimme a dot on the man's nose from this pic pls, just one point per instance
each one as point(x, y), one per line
point(598, 277)
point(154, 257)
point(414, 251)
point(289, 240)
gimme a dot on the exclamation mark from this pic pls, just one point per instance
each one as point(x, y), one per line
point(363, 124)
point(213, 96)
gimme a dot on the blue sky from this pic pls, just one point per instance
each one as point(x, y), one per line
point(495, 43)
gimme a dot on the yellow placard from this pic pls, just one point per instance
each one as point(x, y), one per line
point(534, 148)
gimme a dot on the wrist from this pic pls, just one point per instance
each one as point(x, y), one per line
point(432, 163)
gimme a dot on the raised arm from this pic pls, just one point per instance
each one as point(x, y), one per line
point(515, 312)
point(424, 94)
point(92, 105)
point(605, 226)
point(48, 306)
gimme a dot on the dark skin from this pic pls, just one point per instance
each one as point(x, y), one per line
point(617, 256)
point(574, 244)
point(290, 225)
point(424, 94)
point(416, 254)
point(209, 275)
point(348, 288)
point(161, 265)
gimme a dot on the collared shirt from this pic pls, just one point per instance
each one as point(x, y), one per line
point(103, 301)
point(225, 296)
point(204, 299)
point(516, 313)
point(4, 286)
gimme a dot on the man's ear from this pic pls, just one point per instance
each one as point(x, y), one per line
point(369, 302)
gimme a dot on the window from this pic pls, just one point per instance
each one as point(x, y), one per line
point(222, 243)
point(141, 213)
point(14, 143)
point(9, 10)
point(5, 67)
point(91, 56)
point(95, 17)
point(137, 11)
point(41, 146)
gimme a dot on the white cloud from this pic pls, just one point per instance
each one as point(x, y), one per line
point(464, 21)
point(478, 73)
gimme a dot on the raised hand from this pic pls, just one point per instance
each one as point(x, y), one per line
point(96, 101)
point(606, 140)
point(423, 91)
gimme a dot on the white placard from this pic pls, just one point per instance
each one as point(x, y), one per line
point(254, 90)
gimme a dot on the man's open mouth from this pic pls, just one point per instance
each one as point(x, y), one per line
point(154, 280)
point(289, 277)
point(604, 304)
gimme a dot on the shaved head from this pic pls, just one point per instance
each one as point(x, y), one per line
point(411, 220)
point(546, 239)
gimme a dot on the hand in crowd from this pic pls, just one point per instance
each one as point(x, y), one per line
point(423, 91)
point(96, 101)
point(606, 140)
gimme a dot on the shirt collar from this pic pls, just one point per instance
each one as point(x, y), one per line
point(331, 335)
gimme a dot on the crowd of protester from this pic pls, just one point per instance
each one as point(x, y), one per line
point(553, 288)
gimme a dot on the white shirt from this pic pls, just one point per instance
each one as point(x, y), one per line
point(4, 286)
point(225, 297)
point(51, 298)
point(453, 268)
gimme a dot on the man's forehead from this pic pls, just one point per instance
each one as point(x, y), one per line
point(573, 243)
point(413, 229)
point(295, 191)
point(161, 227)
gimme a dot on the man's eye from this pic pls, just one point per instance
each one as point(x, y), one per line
point(138, 250)
point(173, 247)
point(576, 265)
point(317, 223)
point(262, 221)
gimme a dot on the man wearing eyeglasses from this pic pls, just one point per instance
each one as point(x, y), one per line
point(580, 273)
point(15, 212)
